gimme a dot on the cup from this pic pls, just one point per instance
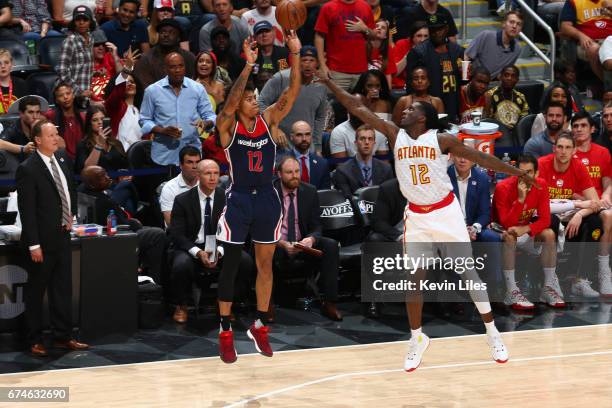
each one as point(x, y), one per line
point(465, 68)
point(476, 116)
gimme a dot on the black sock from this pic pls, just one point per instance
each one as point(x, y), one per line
point(261, 316)
point(226, 324)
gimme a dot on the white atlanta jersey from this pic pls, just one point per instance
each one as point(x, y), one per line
point(421, 167)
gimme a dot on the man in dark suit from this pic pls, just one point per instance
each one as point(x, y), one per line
point(313, 168)
point(47, 201)
point(363, 169)
point(388, 213)
point(195, 215)
point(151, 240)
point(301, 225)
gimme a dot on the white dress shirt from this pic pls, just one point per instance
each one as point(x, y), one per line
point(462, 184)
point(170, 190)
point(201, 239)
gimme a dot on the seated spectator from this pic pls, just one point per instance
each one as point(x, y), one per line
point(342, 140)
point(301, 225)
point(566, 179)
point(472, 96)
point(503, 102)
point(313, 168)
point(605, 138)
point(124, 96)
point(106, 64)
point(195, 214)
point(34, 18)
point(311, 103)
point(565, 73)
point(387, 220)
point(163, 115)
point(419, 85)
point(150, 67)
point(6, 21)
point(515, 203)
point(362, 170)
point(16, 139)
point(341, 47)
point(373, 90)
point(542, 144)
point(69, 120)
point(270, 57)
point(495, 50)
point(583, 22)
point(127, 30)
point(163, 9)
point(264, 11)
point(422, 12)
point(228, 58)
point(151, 240)
point(206, 69)
point(442, 59)
point(76, 58)
point(418, 34)
point(556, 92)
point(11, 87)
point(63, 10)
point(237, 29)
point(189, 157)
point(380, 51)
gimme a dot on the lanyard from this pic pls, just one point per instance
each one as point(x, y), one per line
point(10, 97)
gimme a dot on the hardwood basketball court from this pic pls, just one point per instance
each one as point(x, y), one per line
point(550, 367)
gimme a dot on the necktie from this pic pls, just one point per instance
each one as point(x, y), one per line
point(367, 177)
point(66, 217)
point(291, 220)
point(207, 218)
point(304, 171)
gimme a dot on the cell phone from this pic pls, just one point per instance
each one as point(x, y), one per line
point(106, 123)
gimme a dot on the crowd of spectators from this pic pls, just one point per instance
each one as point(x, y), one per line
point(160, 72)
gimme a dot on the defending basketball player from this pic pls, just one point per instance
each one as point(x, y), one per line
point(252, 206)
point(433, 213)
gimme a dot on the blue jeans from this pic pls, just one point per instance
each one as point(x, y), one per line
point(36, 36)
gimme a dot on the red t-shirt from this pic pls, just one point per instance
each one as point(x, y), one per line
point(72, 131)
point(102, 73)
point(346, 51)
point(563, 185)
point(466, 109)
point(509, 212)
point(598, 163)
point(399, 52)
point(376, 61)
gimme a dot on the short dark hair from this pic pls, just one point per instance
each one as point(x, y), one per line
point(566, 135)
point(136, 2)
point(517, 13)
point(582, 114)
point(37, 129)
point(480, 70)
point(514, 67)
point(526, 159)
point(284, 160)
point(189, 151)
point(28, 101)
point(554, 104)
point(417, 26)
point(608, 105)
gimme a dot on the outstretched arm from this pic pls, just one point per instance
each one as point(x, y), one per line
point(355, 107)
point(226, 119)
point(276, 112)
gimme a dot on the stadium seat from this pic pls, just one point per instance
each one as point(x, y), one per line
point(49, 50)
point(139, 155)
point(18, 50)
point(523, 129)
point(42, 84)
point(365, 197)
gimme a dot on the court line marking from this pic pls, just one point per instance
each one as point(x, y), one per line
point(367, 373)
point(297, 350)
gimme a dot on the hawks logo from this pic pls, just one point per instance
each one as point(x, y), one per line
point(559, 183)
point(596, 234)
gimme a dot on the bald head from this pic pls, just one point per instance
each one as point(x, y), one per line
point(96, 178)
point(208, 173)
point(301, 136)
point(175, 68)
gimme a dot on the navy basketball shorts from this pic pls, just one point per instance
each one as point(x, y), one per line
point(254, 210)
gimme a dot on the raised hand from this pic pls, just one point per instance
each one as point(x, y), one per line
point(249, 48)
point(292, 40)
point(130, 58)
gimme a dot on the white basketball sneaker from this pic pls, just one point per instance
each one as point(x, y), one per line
point(582, 288)
point(416, 348)
point(551, 297)
point(517, 301)
point(498, 348)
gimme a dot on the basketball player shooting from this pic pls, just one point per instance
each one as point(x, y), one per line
point(433, 213)
point(252, 204)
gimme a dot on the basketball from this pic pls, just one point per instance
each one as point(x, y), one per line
point(291, 14)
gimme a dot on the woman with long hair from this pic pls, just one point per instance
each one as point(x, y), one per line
point(206, 74)
point(380, 51)
point(66, 116)
point(418, 34)
point(419, 83)
point(373, 90)
point(556, 92)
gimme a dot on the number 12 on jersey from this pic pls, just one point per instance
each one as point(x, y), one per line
point(422, 171)
point(255, 161)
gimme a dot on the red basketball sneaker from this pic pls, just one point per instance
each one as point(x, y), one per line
point(260, 338)
point(227, 352)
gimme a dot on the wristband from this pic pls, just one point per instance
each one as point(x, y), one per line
point(296, 53)
point(251, 64)
point(98, 148)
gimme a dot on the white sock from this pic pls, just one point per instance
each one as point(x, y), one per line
point(550, 279)
point(415, 333)
point(604, 262)
point(491, 329)
point(510, 280)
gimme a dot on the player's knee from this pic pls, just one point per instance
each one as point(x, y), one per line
point(548, 235)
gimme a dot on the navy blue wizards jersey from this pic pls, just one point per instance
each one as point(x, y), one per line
point(251, 155)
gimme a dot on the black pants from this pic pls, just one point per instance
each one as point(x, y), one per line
point(151, 250)
point(327, 265)
point(53, 275)
point(184, 267)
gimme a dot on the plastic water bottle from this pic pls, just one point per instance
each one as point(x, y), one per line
point(506, 159)
point(111, 223)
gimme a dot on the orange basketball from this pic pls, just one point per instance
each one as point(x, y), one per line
point(291, 14)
